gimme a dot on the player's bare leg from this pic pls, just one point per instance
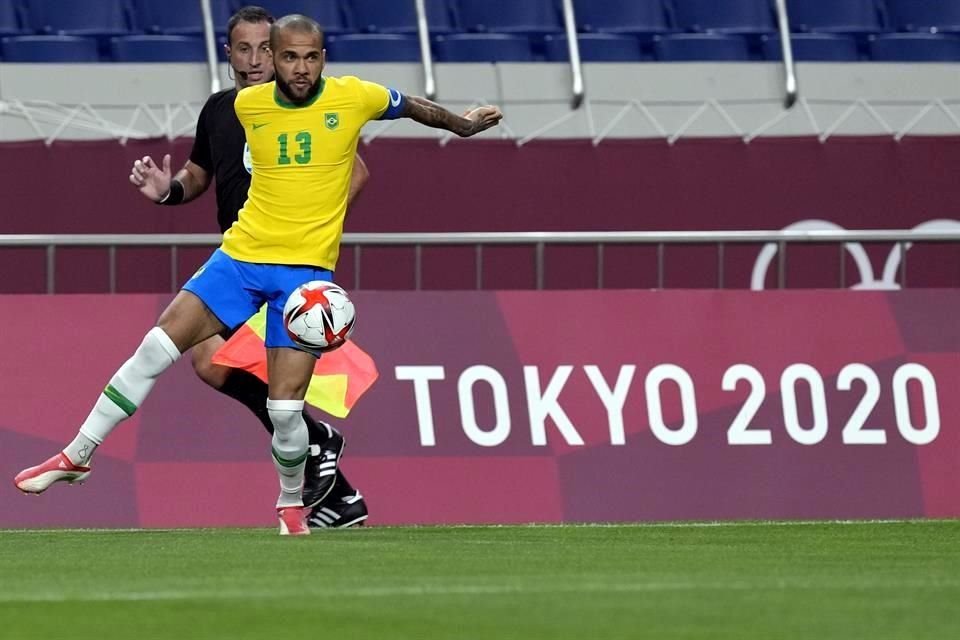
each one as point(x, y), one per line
point(326, 443)
point(289, 372)
point(201, 356)
point(188, 321)
point(185, 322)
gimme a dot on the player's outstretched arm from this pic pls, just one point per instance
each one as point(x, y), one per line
point(157, 184)
point(433, 115)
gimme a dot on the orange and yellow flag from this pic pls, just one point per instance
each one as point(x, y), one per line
point(339, 378)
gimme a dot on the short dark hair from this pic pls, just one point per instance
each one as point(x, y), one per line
point(294, 22)
point(252, 14)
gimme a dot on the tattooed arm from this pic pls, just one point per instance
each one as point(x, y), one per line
point(433, 115)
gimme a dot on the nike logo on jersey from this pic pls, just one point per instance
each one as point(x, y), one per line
point(395, 97)
point(257, 126)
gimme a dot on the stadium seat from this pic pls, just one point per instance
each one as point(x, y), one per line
point(688, 47)
point(935, 16)
point(398, 16)
point(596, 47)
point(154, 48)
point(49, 49)
point(483, 47)
point(915, 47)
point(326, 12)
point(639, 17)
point(95, 18)
point(814, 47)
point(373, 47)
point(835, 16)
point(9, 19)
point(510, 16)
point(730, 16)
point(179, 17)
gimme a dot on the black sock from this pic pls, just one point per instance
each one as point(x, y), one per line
point(251, 392)
point(318, 433)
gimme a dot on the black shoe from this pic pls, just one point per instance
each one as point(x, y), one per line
point(320, 473)
point(339, 513)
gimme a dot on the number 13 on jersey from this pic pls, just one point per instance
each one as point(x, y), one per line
point(302, 139)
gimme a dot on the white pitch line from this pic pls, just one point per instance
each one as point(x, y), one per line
point(566, 525)
point(470, 590)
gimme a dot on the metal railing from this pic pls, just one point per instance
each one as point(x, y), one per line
point(210, 44)
point(577, 91)
point(775, 243)
point(430, 83)
point(426, 58)
point(791, 90)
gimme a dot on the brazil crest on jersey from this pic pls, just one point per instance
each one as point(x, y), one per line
point(302, 158)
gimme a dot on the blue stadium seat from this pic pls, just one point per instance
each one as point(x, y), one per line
point(936, 16)
point(915, 47)
point(596, 47)
point(510, 16)
point(179, 17)
point(726, 16)
point(483, 47)
point(154, 48)
point(9, 19)
point(688, 47)
point(326, 12)
point(97, 18)
point(398, 16)
point(814, 47)
point(373, 47)
point(49, 49)
point(835, 16)
point(639, 17)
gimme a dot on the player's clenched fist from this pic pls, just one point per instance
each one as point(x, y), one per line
point(484, 118)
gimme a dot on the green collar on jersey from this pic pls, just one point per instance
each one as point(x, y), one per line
point(286, 104)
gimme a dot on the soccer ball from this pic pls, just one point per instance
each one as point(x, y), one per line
point(319, 316)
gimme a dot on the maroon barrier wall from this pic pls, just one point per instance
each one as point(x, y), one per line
point(515, 406)
point(416, 185)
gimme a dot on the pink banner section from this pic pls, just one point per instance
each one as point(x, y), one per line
point(563, 185)
point(560, 185)
point(504, 407)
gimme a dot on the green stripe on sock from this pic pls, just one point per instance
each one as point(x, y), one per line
point(120, 400)
point(289, 463)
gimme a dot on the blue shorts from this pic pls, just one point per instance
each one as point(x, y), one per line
point(235, 290)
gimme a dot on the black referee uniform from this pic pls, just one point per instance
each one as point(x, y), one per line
point(218, 150)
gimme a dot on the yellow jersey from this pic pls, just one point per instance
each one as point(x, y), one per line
point(302, 159)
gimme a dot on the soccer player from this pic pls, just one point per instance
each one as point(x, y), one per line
point(302, 130)
point(219, 152)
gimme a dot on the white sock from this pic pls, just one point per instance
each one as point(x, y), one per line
point(80, 450)
point(127, 390)
point(290, 448)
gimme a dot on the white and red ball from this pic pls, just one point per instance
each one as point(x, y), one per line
point(319, 316)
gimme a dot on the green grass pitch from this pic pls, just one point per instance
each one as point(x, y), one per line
point(870, 580)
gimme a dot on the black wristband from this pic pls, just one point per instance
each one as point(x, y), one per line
point(175, 195)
